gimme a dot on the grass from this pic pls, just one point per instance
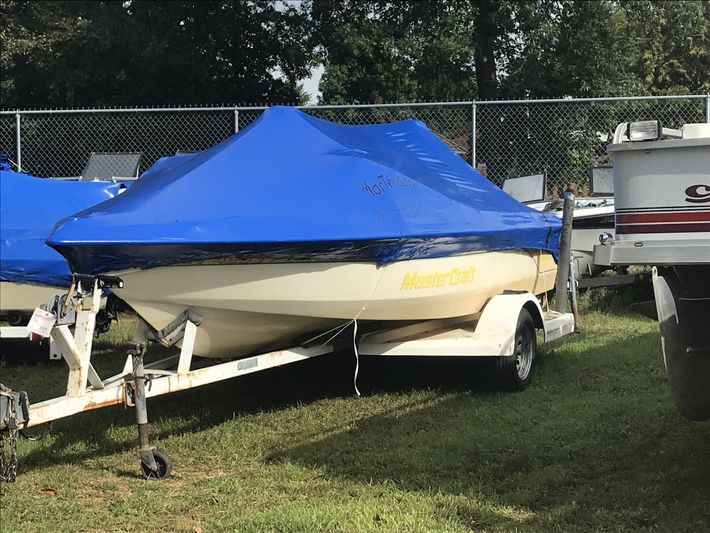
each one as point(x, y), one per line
point(594, 445)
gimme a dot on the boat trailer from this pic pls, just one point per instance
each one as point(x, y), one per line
point(70, 324)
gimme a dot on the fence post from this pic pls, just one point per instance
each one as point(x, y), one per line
point(18, 142)
point(236, 120)
point(473, 135)
point(707, 109)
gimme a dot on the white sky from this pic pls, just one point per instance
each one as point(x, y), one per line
point(311, 84)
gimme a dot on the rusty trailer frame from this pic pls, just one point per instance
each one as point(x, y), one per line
point(86, 390)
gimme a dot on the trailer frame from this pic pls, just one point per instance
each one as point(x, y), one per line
point(490, 333)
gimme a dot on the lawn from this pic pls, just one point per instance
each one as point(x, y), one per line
point(594, 445)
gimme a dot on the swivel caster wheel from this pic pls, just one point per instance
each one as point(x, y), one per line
point(164, 467)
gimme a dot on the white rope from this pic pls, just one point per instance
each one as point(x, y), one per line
point(357, 359)
point(339, 327)
point(342, 327)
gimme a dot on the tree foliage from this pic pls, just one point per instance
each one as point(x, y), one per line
point(672, 41)
point(155, 52)
point(89, 53)
point(377, 50)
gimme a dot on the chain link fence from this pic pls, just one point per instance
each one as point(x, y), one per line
point(565, 138)
point(8, 133)
point(562, 138)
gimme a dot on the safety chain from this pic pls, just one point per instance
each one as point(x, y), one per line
point(8, 461)
point(14, 414)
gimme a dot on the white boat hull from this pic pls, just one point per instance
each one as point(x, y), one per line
point(583, 242)
point(23, 298)
point(254, 307)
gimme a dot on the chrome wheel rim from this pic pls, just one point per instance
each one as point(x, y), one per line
point(524, 354)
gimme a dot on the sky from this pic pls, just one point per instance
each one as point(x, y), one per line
point(311, 84)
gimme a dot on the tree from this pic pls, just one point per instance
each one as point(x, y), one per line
point(672, 44)
point(378, 50)
point(87, 53)
point(486, 30)
point(607, 47)
point(140, 52)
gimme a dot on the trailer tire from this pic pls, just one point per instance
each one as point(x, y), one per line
point(514, 373)
point(688, 376)
point(686, 352)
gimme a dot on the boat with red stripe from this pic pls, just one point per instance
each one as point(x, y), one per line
point(662, 219)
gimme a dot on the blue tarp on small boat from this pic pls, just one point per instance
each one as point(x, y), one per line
point(29, 209)
point(292, 187)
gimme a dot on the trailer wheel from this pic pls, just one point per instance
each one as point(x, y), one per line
point(686, 352)
point(165, 467)
point(514, 373)
point(688, 375)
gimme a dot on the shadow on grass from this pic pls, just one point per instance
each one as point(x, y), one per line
point(22, 351)
point(615, 299)
point(596, 431)
point(205, 407)
point(605, 446)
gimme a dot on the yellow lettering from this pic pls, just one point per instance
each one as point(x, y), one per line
point(454, 277)
point(408, 281)
point(415, 280)
point(466, 276)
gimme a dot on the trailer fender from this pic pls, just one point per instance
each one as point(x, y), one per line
point(500, 315)
point(682, 321)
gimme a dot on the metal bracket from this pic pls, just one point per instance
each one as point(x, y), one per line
point(173, 332)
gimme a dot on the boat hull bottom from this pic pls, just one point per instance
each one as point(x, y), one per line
point(23, 298)
point(226, 333)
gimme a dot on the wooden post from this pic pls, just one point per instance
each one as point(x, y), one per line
point(563, 268)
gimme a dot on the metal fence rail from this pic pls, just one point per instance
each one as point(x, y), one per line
point(562, 137)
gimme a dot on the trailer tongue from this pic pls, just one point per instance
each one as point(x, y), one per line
point(662, 189)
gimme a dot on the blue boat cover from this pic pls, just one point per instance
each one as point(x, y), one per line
point(29, 209)
point(292, 187)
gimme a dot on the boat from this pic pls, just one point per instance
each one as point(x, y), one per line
point(593, 215)
point(30, 271)
point(296, 226)
point(662, 216)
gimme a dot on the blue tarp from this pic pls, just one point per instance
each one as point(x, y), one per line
point(295, 188)
point(29, 209)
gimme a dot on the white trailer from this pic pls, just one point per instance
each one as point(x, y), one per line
point(505, 329)
point(21, 332)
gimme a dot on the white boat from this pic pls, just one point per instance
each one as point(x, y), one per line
point(296, 226)
point(593, 215)
point(248, 308)
point(18, 300)
point(662, 184)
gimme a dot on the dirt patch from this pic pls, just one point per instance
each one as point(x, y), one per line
point(175, 484)
point(519, 515)
point(191, 525)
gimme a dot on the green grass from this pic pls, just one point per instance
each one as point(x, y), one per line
point(594, 445)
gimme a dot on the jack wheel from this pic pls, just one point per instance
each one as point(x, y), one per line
point(164, 467)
